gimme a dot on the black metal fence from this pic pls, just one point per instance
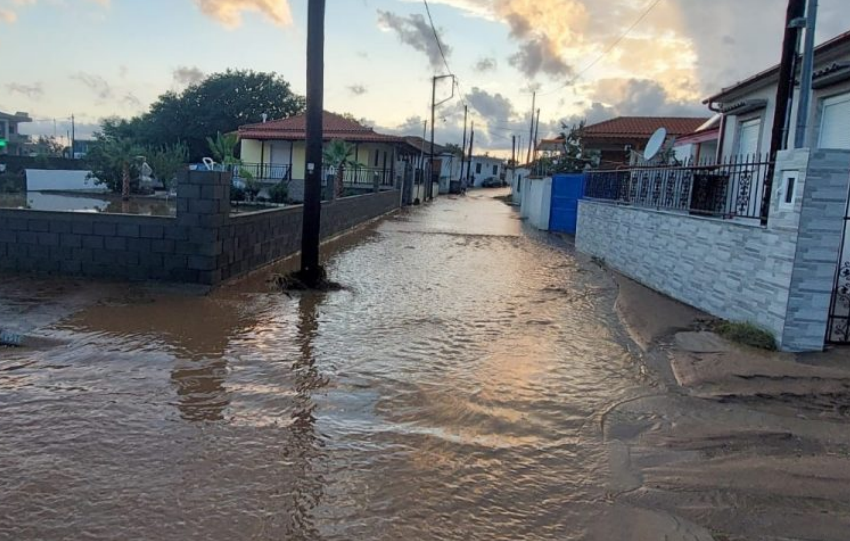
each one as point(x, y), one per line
point(732, 189)
point(263, 171)
point(362, 176)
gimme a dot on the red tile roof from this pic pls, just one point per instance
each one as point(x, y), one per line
point(639, 127)
point(334, 127)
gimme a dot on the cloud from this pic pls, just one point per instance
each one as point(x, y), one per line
point(358, 90)
point(537, 56)
point(229, 12)
point(97, 84)
point(610, 98)
point(485, 64)
point(130, 100)
point(417, 33)
point(187, 76)
point(34, 91)
point(490, 106)
point(8, 16)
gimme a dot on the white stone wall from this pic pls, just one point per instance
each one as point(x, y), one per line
point(779, 276)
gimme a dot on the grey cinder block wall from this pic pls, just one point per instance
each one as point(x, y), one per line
point(204, 244)
point(780, 277)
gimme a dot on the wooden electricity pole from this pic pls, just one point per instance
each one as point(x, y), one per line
point(787, 75)
point(311, 271)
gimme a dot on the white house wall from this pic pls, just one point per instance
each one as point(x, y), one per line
point(768, 93)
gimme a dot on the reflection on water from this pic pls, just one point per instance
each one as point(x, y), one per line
point(453, 391)
point(106, 203)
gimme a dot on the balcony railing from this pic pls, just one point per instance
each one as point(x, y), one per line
point(361, 176)
point(733, 189)
point(263, 171)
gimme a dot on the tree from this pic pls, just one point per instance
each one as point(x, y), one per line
point(454, 149)
point(223, 148)
point(220, 103)
point(337, 155)
point(166, 161)
point(49, 147)
point(112, 159)
point(573, 159)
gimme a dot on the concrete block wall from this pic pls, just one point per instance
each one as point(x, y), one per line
point(779, 276)
point(204, 244)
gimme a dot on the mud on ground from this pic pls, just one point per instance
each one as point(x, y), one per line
point(738, 444)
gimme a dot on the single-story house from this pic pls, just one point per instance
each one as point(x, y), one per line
point(748, 107)
point(701, 146)
point(448, 162)
point(275, 151)
point(486, 169)
point(615, 141)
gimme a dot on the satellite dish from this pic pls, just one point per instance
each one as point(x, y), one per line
point(655, 144)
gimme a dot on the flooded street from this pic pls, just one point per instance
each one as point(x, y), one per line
point(457, 389)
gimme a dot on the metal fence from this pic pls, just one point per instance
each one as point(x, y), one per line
point(263, 171)
point(361, 176)
point(732, 189)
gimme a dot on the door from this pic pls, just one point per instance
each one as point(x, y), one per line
point(835, 123)
point(748, 137)
point(566, 192)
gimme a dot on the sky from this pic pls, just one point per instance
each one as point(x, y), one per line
point(591, 59)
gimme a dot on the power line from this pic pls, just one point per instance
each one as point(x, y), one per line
point(437, 37)
point(607, 50)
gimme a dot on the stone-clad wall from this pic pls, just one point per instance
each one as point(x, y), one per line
point(204, 244)
point(779, 276)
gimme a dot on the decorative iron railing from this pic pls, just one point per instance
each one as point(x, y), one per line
point(732, 189)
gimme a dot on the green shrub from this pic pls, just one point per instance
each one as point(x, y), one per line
point(237, 193)
point(747, 334)
point(279, 193)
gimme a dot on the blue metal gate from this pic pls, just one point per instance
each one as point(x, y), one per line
point(566, 192)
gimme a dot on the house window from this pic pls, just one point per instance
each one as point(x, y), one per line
point(495, 170)
point(477, 168)
point(835, 123)
point(748, 137)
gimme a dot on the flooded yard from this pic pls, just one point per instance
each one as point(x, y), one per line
point(457, 389)
point(88, 202)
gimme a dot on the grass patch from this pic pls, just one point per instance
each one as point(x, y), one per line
point(747, 334)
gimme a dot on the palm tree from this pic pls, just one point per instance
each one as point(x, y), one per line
point(337, 154)
point(122, 153)
point(223, 148)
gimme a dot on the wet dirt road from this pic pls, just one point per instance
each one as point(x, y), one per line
point(458, 389)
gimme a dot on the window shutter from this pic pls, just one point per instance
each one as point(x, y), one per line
point(835, 123)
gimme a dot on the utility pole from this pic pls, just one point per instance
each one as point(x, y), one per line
point(434, 104)
point(422, 158)
point(795, 12)
point(311, 271)
point(73, 136)
point(536, 134)
point(531, 131)
point(513, 153)
point(801, 133)
point(463, 148)
point(429, 190)
point(471, 146)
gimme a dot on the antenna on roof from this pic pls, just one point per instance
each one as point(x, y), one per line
point(655, 144)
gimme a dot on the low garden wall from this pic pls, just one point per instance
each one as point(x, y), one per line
point(204, 244)
point(780, 277)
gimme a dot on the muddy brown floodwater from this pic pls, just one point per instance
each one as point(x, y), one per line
point(456, 390)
